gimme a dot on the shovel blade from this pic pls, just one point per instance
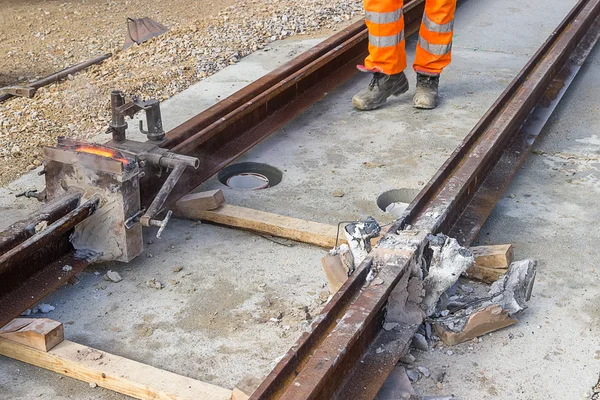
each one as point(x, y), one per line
point(140, 30)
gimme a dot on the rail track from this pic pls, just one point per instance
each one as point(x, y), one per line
point(337, 357)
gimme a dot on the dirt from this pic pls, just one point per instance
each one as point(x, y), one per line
point(42, 37)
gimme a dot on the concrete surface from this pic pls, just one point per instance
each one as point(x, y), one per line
point(212, 319)
point(554, 351)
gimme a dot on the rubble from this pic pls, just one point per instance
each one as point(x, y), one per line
point(154, 284)
point(506, 298)
point(113, 276)
point(43, 308)
point(359, 235)
point(448, 262)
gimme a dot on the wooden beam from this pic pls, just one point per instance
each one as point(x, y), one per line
point(496, 256)
point(39, 333)
point(335, 271)
point(491, 262)
point(271, 224)
point(116, 373)
point(245, 387)
point(190, 204)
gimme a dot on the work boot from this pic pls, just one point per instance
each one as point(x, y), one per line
point(426, 95)
point(381, 87)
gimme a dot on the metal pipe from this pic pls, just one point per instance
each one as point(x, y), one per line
point(117, 125)
point(169, 160)
point(69, 70)
point(162, 195)
point(60, 74)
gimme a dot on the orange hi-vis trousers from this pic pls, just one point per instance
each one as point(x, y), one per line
point(385, 23)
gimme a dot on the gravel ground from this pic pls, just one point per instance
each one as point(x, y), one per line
point(196, 46)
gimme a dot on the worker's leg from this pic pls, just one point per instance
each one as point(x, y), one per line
point(434, 50)
point(387, 58)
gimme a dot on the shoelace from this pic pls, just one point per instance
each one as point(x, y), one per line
point(428, 81)
point(377, 76)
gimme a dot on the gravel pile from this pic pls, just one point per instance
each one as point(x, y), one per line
point(159, 68)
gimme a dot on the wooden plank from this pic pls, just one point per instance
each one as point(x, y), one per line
point(483, 274)
point(245, 387)
point(113, 372)
point(189, 204)
point(39, 333)
point(335, 271)
point(272, 224)
point(496, 256)
point(491, 262)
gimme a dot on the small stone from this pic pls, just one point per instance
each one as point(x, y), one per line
point(113, 276)
point(67, 268)
point(512, 196)
point(419, 342)
point(449, 352)
point(43, 308)
point(388, 326)
point(93, 385)
point(338, 193)
point(41, 226)
point(413, 374)
point(407, 359)
point(154, 284)
point(424, 371)
point(438, 375)
point(467, 289)
point(443, 313)
point(70, 77)
point(379, 350)
point(177, 268)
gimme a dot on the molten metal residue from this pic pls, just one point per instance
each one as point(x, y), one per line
point(102, 151)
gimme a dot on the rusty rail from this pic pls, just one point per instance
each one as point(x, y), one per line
point(33, 267)
point(340, 357)
point(346, 354)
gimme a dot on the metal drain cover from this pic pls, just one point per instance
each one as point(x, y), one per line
point(248, 180)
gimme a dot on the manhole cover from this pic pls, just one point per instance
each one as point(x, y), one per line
point(250, 176)
point(395, 201)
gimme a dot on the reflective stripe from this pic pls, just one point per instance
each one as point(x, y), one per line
point(436, 49)
point(383, 17)
point(386, 41)
point(439, 28)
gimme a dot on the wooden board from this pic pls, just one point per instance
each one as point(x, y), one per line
point(113, 372)
point(40, 333)
point(272, 224)
point(491, 262)
point(189, 204)
point(496, 256)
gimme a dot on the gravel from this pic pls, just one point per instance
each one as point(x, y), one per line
point(159, 68)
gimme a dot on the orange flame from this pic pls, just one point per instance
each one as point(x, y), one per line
point(102, 152)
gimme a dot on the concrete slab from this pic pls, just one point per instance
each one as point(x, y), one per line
point(554, 351)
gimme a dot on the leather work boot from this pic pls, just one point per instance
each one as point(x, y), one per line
point(426, 95)
point(381, 87)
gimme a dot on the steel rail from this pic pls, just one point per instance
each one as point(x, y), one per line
point(29, 270)
point(346, 353)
